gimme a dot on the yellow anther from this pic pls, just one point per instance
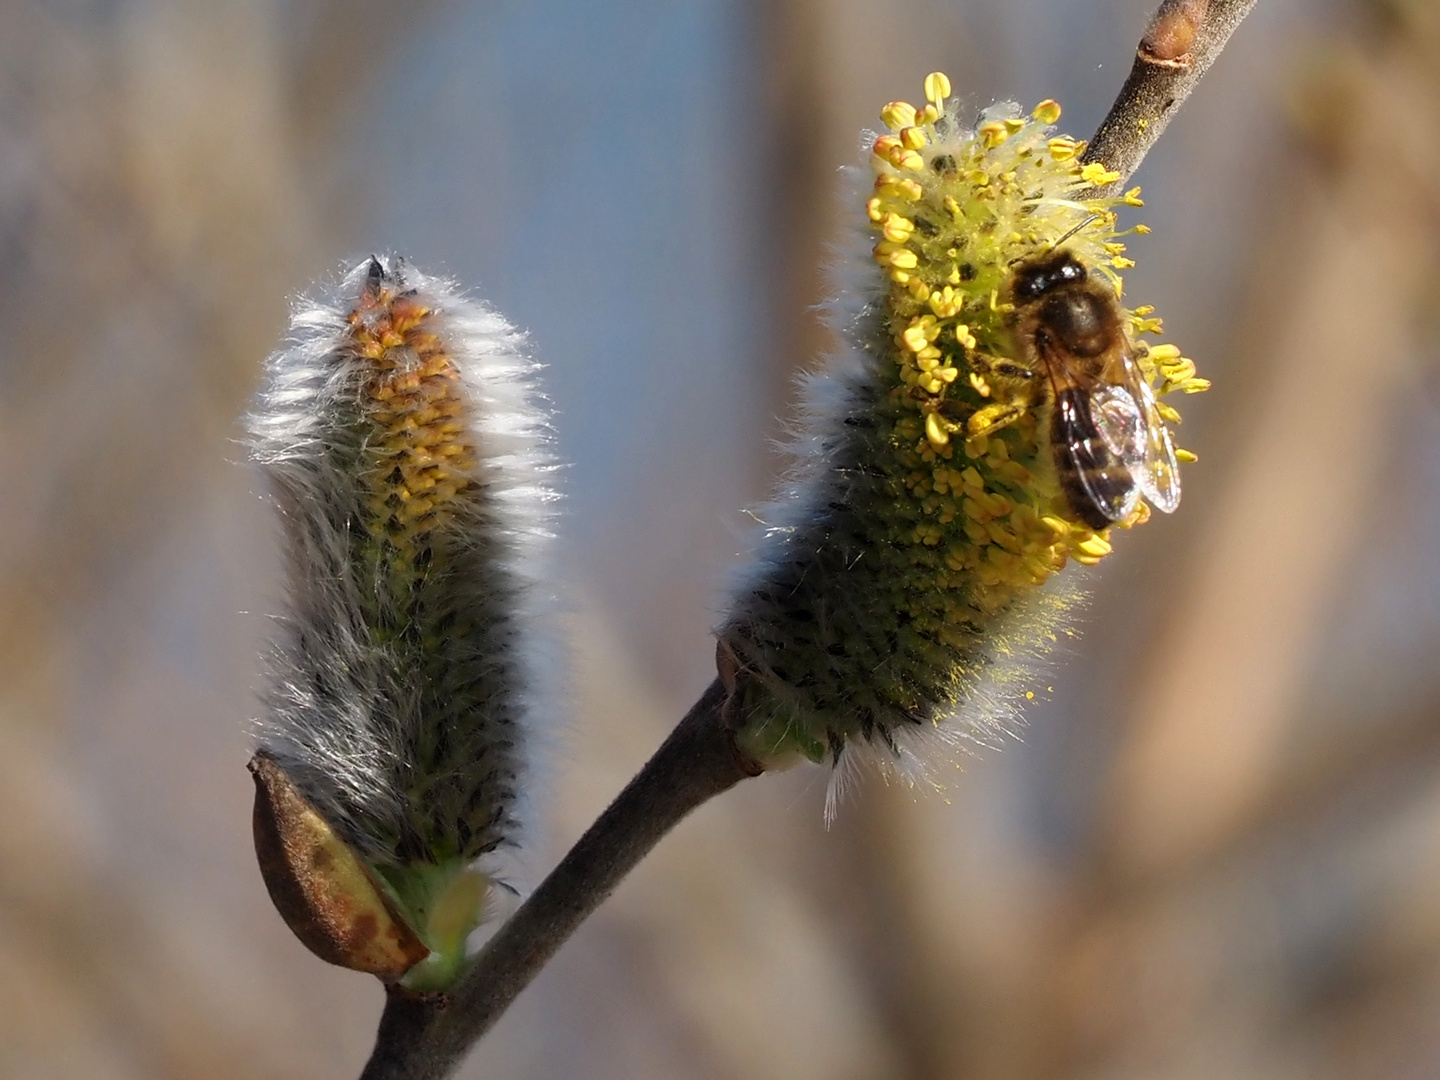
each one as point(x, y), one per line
point(1164, 354)
point(1096, 173)
point(920, 333)
point(896, 228)
point(1194, 386)
point(1014, 125)
point(1059, 526)
point(947, 374)
point(927, 115)
point(1177, 371)
point(907, 189)
point(1120, 262)
point(1138, 516)
point(1143, 229)
point(904, 259)
point(897, 115)
point(935, 431)
point(873, 209)
point(913, 138)
point(909, 159)
point(937, 88)
point(1003, 537)
point(946, 302)
point(1185, 456)
point(992, 134)
point(1062, 148)
point(981, 386)
point(918, 289)
point(1169, 415)
point(964, 336)
point(1047, 112)
point(1097, 546)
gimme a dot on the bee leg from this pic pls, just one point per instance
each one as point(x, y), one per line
point(990, 418)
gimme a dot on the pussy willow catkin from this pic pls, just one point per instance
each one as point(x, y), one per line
point(400, 431)
point(905, 578)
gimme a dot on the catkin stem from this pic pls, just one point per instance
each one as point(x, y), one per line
point(424, 1037)
point(1182, 40)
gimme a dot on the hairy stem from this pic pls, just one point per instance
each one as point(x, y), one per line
point(1182, 41)
point(422, 1037)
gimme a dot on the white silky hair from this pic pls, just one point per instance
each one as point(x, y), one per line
point(345, 709)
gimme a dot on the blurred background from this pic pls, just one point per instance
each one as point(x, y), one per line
point(1216, 851)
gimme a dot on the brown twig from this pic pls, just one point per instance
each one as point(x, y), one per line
point(424, 1037)
point(1182, 41)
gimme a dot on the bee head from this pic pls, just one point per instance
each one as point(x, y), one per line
point(1049, 272)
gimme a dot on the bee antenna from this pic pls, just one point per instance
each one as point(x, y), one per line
point(1075, 230)
point(1089, 218)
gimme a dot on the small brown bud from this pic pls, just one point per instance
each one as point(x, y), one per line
point(320, 887)
point(1171, 33)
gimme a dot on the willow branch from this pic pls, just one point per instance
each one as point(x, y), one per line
point(422, 1037)
point(1182, 41)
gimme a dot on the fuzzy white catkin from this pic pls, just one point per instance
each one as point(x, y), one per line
point(405, 444)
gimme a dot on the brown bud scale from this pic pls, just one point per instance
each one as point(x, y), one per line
point(321, 888)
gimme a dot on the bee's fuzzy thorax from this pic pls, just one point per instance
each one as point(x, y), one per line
point(403, 440)
point(902, 589)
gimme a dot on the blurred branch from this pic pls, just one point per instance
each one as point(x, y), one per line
point(340, 54)
point(1182, 41)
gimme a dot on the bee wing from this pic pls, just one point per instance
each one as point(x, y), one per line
point(1088, 443)
point(1085, 458)
point(1153, 459)
point(1086, 451)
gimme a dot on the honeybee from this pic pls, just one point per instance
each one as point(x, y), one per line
point(1110, 444)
